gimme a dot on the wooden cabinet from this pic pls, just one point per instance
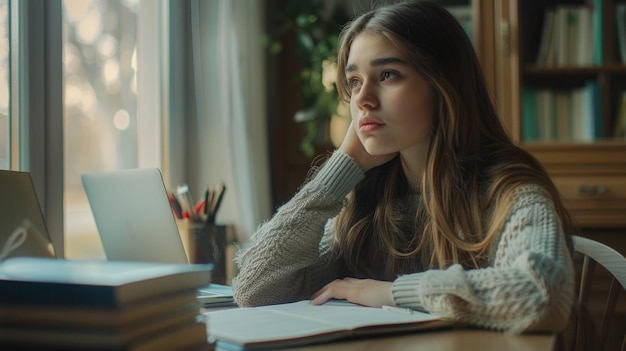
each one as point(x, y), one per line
point(590, 173)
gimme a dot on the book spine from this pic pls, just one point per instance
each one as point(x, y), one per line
point(529, 117)
point(562, 36)
point(598, 112)
point(545, 114)
point(562, 115)
point(589, 112)
point(620, 25)
point(578, 114)
point(543, 56)
point(49, 294)
point(598, 57)
point(585, 37)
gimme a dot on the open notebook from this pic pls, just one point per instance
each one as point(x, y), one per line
point(301, 323)
point(23, 230)
point(136, 223)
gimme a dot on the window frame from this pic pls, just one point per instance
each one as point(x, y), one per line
point(36, 101)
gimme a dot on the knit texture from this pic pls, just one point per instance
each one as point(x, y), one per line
point(528, 286)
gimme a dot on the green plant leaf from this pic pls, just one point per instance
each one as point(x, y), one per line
point(306, 41)
point(276, 47)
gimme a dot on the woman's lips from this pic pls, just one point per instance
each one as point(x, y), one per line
point(369, 124)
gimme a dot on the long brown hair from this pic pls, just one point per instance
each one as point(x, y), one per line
point(472, 168)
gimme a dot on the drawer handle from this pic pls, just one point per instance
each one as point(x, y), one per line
point(591, 190)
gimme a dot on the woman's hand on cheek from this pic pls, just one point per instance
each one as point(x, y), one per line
point(353, 147)
point(366, 292)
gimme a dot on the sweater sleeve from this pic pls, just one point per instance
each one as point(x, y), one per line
point(528, 287)
point(289, 257)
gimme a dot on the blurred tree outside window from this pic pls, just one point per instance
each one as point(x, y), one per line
point(100, 105)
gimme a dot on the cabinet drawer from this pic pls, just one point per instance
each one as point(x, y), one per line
point(595, 201)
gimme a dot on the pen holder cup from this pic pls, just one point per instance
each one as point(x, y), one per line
point(205, 243)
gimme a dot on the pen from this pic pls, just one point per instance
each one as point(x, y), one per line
point(217, 203)
point(208, 198)
point(199, 208)
point(178, 211)
point(185, 199)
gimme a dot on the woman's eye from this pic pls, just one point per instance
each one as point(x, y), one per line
point(353, 83)
point(388, 75)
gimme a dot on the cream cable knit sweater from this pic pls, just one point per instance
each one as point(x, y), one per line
point(528, 286)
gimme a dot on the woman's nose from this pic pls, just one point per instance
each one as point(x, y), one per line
point(367, 98)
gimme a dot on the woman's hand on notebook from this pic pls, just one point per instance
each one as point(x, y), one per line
point(366, 292)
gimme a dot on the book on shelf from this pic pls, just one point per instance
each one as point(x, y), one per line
point(530, 130)
point(113, 284)
point(598, 34)
point(620, 25)
point(562, 99)
point(583, 37)
point(597, 109)
point(545, 57)
point(567, 36)
point(561, 115)
point(545, 114)
point(301, 323)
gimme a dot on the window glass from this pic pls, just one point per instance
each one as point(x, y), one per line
point(5, 122)
point(100, 105)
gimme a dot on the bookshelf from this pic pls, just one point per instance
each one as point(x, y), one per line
point(588, 169)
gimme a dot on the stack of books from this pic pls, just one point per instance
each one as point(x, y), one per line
point(87, 305)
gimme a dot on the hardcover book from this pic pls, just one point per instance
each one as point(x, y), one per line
point(177, 337)
point(113, 284)
point(105, 318)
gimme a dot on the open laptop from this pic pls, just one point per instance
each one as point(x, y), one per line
point(21, 214)
point(136, 223)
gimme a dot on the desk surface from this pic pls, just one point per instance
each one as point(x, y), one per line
point(442, 340)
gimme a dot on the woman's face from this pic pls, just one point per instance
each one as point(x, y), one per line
point(391, 104)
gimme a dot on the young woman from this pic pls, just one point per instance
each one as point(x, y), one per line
point(427, 204)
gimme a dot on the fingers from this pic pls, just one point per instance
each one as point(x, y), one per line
point(353, 147)
point(342, 289)
point(330, 291)
point(360, 291)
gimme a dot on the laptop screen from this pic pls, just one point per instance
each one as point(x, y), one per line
point(23, 230)
point(133, 216)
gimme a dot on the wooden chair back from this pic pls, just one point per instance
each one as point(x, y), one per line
point(586, 334)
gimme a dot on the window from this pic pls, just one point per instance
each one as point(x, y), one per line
point(85, 88)
point(103, 60)
point(5, 122)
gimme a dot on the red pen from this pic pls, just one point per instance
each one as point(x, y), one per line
point(199, 207)
point(175, 205)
